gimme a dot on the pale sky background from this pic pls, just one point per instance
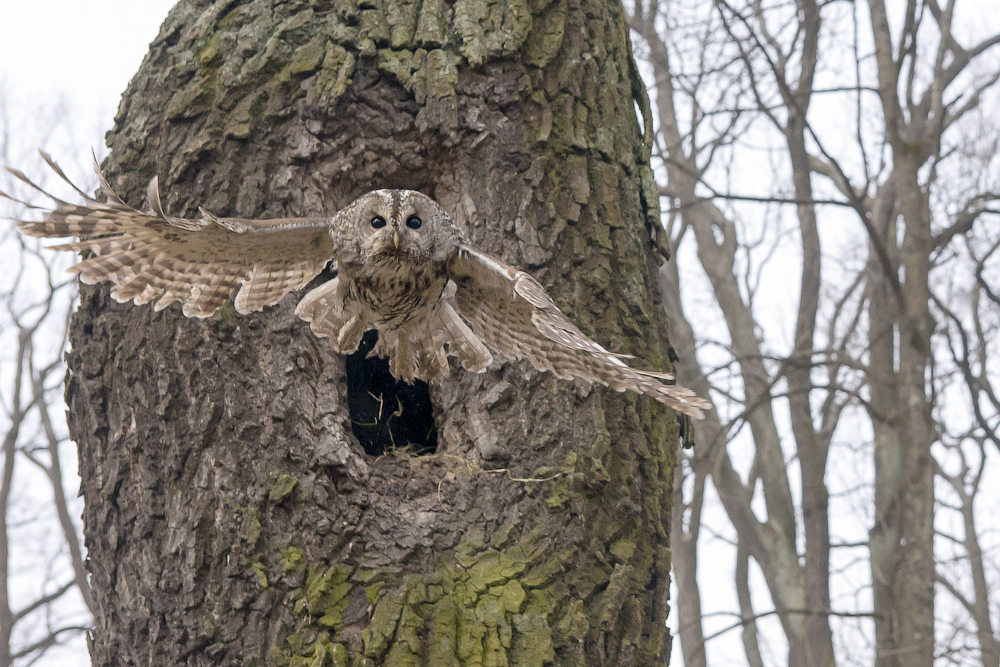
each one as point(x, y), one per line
point(86, 51)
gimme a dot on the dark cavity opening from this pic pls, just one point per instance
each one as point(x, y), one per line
point(387, 414)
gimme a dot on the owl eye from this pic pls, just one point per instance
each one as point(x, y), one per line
point(414, 222)
point(378, 222)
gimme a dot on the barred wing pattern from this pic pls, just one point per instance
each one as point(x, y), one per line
point(510, 311)
point(152, 257)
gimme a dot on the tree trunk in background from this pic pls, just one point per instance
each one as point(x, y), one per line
point(902, 538)
point(231, 518)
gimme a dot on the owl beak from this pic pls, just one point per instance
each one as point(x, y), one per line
point(395, 239)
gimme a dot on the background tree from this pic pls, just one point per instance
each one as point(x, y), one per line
point(230, 517)
point(868, 124)
point(44, 592)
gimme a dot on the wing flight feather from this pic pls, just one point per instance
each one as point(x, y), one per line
point(151, 256)
point(512, 314)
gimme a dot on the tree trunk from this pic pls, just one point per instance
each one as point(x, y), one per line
point(231, 517)
point(902, 539)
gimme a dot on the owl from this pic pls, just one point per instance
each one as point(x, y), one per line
point(403, 268)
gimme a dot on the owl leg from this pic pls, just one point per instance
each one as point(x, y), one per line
point(411, 355)
point(403, 360)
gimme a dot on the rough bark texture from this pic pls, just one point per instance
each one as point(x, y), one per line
point(231, 517)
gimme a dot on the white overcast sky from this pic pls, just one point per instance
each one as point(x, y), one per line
point(83, 50)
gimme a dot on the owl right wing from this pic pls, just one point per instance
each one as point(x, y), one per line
point(150, 256)
point(511, 312)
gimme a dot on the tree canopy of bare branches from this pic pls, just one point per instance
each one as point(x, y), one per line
point(830, 166)
point(44, 589)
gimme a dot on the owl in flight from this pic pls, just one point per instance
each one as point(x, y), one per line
point(403, 268)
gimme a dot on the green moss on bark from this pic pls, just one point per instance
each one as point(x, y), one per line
point(519, 118)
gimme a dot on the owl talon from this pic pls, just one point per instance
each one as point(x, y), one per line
point(402, 361)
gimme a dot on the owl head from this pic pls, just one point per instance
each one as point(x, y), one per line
point(395, 225)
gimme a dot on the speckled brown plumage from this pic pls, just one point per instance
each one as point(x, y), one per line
point(401, 262)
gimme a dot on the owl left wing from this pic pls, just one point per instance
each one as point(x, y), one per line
point(150, 256)
point(512, 314)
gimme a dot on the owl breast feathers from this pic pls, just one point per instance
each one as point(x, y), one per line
point(403, 268)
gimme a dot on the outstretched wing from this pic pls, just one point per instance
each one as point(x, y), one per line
point(512, 314)
point(153, 257)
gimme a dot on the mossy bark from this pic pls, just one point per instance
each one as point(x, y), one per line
point(231, 517)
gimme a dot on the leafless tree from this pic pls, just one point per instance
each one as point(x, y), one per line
point(44, 591)
point(830, 166)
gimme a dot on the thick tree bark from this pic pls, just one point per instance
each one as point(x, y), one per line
point(231, 517)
